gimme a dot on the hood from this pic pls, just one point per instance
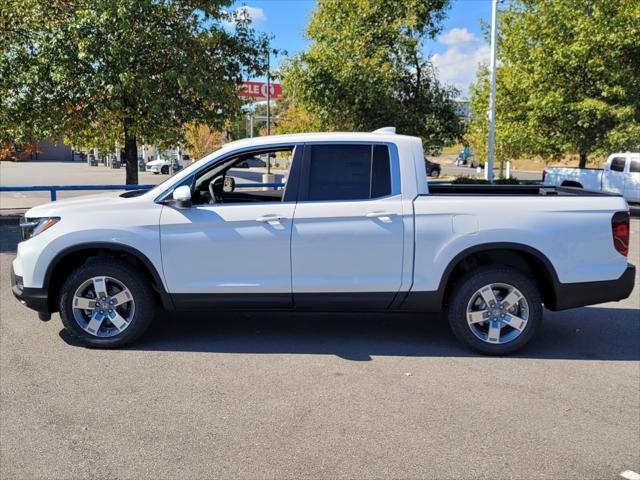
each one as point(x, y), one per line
point(157, 162)
point(83, 202)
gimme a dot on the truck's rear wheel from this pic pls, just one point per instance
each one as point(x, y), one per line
point(106, 303)
point(495, 310)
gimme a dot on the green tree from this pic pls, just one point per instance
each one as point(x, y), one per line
point(513, 135)
point(365, 69)
point(569, 78)
point(106, 70)
point(295, 119)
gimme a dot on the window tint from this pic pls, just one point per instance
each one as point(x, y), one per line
point(635, 166)
point(380, 172)
point(617, 164)
point(349, 172)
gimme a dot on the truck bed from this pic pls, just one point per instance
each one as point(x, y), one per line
point(508, 190)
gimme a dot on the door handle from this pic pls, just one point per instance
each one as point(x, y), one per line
point(381, 215)
point(271, 218)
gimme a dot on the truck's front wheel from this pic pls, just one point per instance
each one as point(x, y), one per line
point(106, 303)
point(495, 310)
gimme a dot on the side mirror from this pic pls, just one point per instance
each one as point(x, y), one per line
point(229, 184)
point(182, 196)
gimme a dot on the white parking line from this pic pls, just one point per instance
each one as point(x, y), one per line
point(629, 475)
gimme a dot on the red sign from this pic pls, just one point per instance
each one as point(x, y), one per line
point(258, 90)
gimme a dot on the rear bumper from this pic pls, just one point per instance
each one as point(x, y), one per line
point(35, 298)
point(571, 295)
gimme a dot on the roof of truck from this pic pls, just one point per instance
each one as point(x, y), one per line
point(318, 137)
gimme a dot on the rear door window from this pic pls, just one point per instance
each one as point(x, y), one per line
point(348, 172)
point(618, 163)
point(634, 167)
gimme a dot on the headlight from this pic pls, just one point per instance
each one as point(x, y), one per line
point(35, 226)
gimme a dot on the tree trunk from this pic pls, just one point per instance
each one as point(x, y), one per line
point(583, 160)
point(131, 154)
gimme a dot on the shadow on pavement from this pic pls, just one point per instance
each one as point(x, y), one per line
point(9, 237)
point(592, 333)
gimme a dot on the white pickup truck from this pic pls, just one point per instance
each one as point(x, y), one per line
point(620, 175)
point(357, 227)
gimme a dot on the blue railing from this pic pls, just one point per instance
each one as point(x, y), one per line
point(54, 189)
point(273, 185)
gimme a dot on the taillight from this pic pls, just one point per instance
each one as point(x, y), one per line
point(544, 174)
point(620, 231)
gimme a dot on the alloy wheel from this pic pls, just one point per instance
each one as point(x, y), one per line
point(103, 306)
point(497, 313)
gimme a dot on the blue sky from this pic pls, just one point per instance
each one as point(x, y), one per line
point(455, 53)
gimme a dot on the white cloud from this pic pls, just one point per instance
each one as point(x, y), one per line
point(457, 66)
point(256, 14)
point(457, 36)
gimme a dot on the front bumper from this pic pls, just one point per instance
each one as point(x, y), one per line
point(35, 298)
point(571, 295)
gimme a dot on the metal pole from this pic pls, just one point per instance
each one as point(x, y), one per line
point(488, 169)
point(268, 94)
point(268, 108)
point(251, 135)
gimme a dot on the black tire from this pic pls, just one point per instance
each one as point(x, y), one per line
point(470, 284)
point(137, 284)
point(164, 170)
point(435, 173)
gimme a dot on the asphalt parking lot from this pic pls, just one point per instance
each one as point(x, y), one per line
point(76, 173)
point(319, 396)
point(59, 173)
point(449, 168)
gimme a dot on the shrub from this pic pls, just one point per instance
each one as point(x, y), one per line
point(466, 180)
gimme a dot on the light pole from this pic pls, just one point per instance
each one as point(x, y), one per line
point(488, 168)
point(276, 52)
point(268, 91)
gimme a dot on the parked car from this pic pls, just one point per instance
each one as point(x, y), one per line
point(620, 175)
point(158, 166)
point(252, 163)
point(165, 165)
point(433, 168)
point(357, 227)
